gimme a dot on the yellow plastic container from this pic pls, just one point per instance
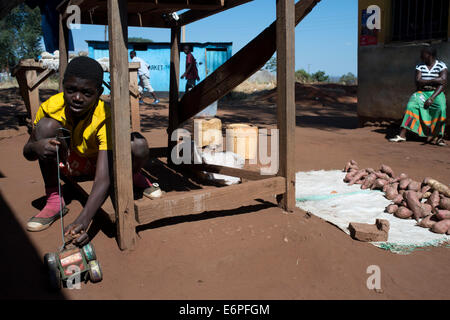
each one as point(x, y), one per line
point(208, 132)
point(242, 138)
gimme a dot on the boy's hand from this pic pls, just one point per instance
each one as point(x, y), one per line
point(78, 233)
point(183, 75)
point(46, 148)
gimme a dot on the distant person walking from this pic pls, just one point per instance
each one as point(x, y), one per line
point(144, 77)
point(426, 111)
point(191, 72)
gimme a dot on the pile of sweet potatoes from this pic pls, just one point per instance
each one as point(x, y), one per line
point(427, 202)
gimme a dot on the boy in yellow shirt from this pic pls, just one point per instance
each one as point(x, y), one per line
point(87, 153)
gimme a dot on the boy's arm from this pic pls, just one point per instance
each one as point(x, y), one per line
point(99, 193)
point(42, 149)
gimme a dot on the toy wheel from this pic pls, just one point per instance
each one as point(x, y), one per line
point(54, 275)
point(89, 252)
point(95, 272)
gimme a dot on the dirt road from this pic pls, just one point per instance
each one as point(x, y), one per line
point(253, 252)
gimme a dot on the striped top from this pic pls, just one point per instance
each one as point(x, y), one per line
point(433, 73)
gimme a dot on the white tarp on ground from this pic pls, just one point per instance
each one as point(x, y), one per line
point(324, 194)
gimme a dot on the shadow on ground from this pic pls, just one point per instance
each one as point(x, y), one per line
point(24, 274)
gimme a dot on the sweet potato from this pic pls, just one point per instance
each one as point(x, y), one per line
point(404, 183)
point(434, 199)
point(403, 213)
point(425, 189)
point(414, 205)
point(382, 175)
point(400, 177)
point(398, 199)
point(392, 191)
point(414, 185)
point(360, 174)
point(441, 226)
point(428, 221)
point(392, 208)
point(370, 170)
point(369, 181)
point(444, 203)
point(349, 176)
point(427, 209)
point(388, 170)
point(443, 214)
point(379, 184)
point(351, 164)
point(436, 185)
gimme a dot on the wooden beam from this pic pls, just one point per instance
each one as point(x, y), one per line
point(30, 96)
point(33, 94)
point(174, 87)
point(195, 15)
point(237, 69)
point(228, 171)
point(41, 78)
point(285, 27)
point(63, 49)
point(121, 133)
point(198, 201)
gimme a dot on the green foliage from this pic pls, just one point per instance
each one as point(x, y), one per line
point(139, 39)
point(20, 35)
point(271, 65)
point(348, 79)
point(302, 76)
point(320, 76)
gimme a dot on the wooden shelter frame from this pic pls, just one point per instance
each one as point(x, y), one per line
point(279, 37)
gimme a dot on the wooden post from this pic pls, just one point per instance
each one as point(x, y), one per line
point(121, 133)
point(134, 101)
point(285, 30)
point(63, 48)
point(174, 86)
point(33, 94)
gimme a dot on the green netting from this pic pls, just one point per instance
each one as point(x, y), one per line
point(407, 249)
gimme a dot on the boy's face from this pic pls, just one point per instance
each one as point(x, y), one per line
point(186, 50)
point(80, 95)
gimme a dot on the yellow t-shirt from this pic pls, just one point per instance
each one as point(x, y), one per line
point(91, 134)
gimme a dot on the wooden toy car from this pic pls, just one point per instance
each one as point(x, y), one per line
point(63, 265)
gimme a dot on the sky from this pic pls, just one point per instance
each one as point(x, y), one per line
point(325, 40)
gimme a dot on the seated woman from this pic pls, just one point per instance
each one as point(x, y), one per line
point(426, 111)
point(85, 119)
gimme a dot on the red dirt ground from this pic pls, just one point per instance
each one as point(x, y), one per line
point(254, 252)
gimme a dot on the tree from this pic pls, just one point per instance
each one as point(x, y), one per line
point(271, 65)
point(320, 76)
point(302, 76)
point(20, 35)
point(348, 79)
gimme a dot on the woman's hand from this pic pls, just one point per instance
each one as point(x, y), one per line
point(428, 103)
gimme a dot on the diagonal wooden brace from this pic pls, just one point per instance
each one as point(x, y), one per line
point(237, 69)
